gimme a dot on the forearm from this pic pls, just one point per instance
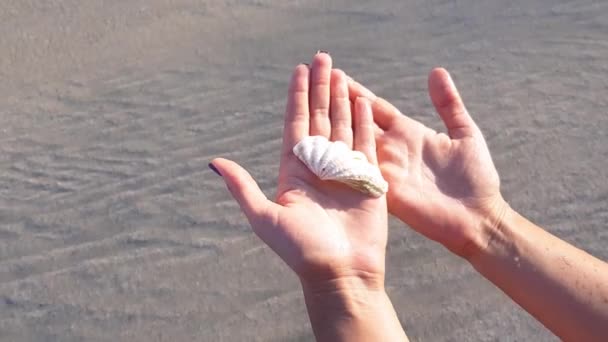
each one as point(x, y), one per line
point(349, 310)
point(565, 288)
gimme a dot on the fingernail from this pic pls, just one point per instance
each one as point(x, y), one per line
point(212, 167)
point(322, 51)
point(308, 65)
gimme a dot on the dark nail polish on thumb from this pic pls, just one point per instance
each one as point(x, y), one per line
point(212, 167)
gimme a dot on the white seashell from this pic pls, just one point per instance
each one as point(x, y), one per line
point(333, 160)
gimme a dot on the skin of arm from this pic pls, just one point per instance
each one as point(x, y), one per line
point(446, 187)
point(562, 286)
point(349, 310)
point(331, 236)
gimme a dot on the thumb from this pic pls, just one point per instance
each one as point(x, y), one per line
point(246, 192)
point(449, 105)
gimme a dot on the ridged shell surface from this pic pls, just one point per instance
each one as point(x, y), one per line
point(334, 160)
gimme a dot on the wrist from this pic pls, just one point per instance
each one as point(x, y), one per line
point(343, 289)
point(351, 309)
point(493, 236)
point(346, 296)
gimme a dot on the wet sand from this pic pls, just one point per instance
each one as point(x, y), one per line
point(112, 228)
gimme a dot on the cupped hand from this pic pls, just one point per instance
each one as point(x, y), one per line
point(323, 230)
point(445, 186)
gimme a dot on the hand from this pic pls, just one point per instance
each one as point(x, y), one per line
point(444, 186)
point(324, 231)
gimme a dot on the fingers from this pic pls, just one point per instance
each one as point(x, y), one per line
point(341, 123)
point(449, 105)
point(364, 129)
point(320, 73)
point(297, 117)
point(246, 192)
point(384, 113)
point(356, 89)
point(377, 130)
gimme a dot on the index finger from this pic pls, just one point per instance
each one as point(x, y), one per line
point(385, 114)
point(297, 117)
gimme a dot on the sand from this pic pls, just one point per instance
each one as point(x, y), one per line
point(112, 228)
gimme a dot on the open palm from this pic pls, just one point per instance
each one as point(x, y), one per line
point(443, 186)
point(322, 230)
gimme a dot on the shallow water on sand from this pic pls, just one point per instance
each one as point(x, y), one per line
point(113, 228)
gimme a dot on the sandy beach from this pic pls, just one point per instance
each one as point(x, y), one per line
point(112, 228)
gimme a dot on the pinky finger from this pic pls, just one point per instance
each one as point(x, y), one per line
point(378, 131)
point(364, 129)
